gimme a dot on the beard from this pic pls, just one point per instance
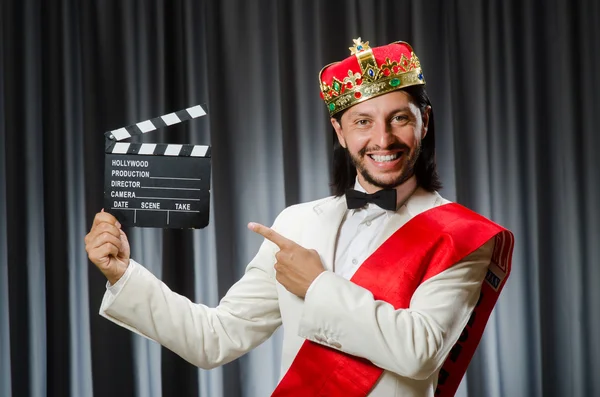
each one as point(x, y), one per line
point(407, 171)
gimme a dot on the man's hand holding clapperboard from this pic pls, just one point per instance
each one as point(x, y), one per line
point(168, 186)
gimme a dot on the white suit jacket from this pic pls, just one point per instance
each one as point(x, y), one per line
point(409, 344)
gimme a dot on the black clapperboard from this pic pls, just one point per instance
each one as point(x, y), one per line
point(157, 185)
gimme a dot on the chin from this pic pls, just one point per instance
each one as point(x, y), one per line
point(386, 180)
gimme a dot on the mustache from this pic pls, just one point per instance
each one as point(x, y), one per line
point(394, 146)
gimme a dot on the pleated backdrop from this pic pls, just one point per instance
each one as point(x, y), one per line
point(516, 95)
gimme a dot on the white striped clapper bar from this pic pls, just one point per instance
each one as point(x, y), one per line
point(157, 185)
point(113, 138)
point(159, 149)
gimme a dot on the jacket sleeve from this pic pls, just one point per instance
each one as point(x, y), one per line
point(206, 337)
point(411, 342)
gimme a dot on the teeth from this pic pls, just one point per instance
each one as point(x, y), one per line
point(381, 159)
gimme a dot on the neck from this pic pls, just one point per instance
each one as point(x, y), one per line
point(403, 191)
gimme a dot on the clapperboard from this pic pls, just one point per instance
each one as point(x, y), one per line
point(157, 185)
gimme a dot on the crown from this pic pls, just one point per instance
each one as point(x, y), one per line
point(367, 73)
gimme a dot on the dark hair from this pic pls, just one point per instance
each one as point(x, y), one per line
point(344, 172)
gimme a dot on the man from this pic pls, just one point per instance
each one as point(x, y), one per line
point(377, 287)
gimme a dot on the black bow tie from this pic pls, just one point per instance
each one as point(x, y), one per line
point(385, 199)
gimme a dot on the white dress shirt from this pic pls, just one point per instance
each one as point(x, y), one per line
point(359, 231)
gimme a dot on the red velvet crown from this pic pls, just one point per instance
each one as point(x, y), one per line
point(367, 73)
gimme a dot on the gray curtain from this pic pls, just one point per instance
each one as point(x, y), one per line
point(516, 96)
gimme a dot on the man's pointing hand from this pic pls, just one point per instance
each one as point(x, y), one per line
point(296, 267)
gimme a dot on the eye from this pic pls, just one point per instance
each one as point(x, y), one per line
point(362, 122)
point(399, 118)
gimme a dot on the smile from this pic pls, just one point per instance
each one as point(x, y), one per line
point(386, 158)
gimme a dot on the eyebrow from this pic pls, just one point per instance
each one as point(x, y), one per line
point(363, 114)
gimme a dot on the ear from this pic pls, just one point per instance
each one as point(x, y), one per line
point(426, 114)
point(338, 131)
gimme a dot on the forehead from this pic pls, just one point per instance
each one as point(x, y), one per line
point(384, 104)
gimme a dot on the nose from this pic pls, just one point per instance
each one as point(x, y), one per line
point(382, 135)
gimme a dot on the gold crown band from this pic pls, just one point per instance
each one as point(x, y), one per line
point(381, 86)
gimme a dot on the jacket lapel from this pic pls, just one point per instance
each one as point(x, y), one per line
point(322, 234)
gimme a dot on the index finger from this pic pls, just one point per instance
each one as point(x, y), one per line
point(104, 217)
point(270, 235)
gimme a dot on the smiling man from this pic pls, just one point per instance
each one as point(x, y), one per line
point(383, 138)
point(383, 289)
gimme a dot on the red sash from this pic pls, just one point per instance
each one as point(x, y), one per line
point(427, 245)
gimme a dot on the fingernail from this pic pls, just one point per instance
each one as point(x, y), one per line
point(251, 225)
point(118, 224)
point(102, 210)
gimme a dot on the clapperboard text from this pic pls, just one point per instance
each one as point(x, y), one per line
point(157, 185)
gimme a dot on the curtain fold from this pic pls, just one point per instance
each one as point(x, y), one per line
point(5, 351)
point(515, 92)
